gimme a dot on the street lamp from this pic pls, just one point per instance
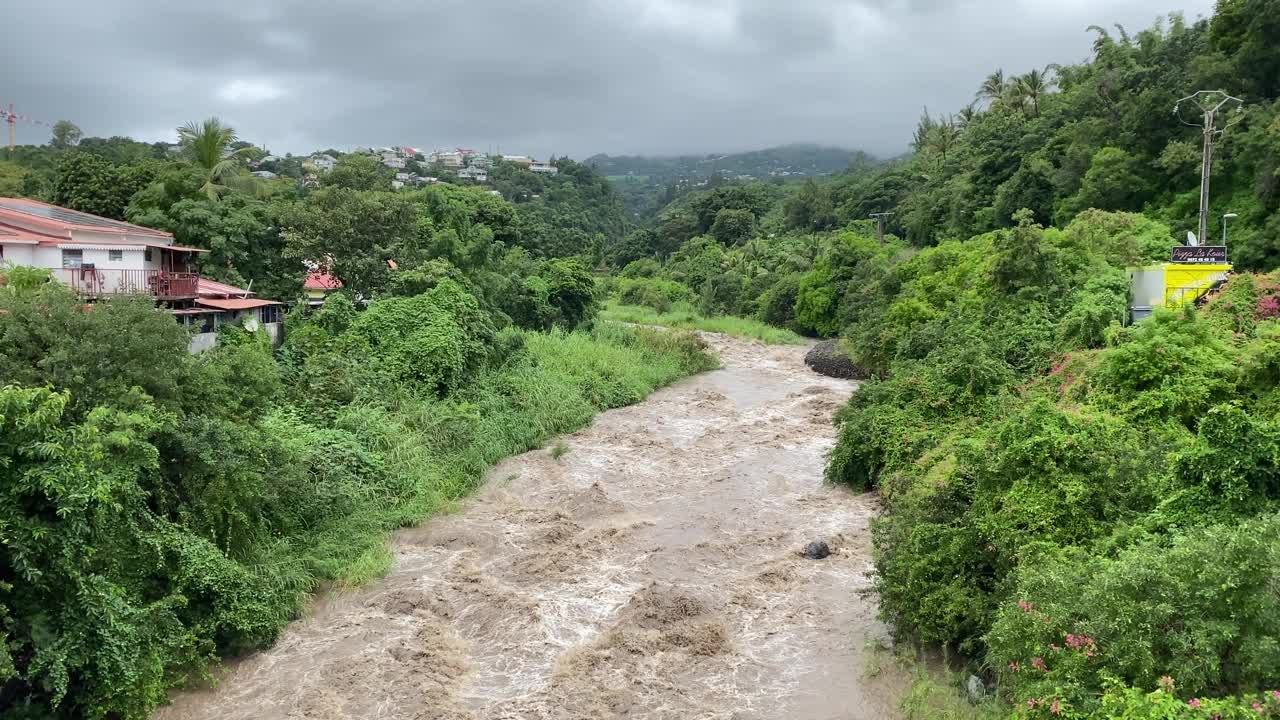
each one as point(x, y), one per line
point(1224, 225)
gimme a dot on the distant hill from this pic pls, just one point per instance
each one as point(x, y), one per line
point(785, 161)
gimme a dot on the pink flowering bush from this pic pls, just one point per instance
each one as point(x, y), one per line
point(1199, 607)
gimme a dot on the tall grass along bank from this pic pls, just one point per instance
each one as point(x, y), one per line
point(683, 316)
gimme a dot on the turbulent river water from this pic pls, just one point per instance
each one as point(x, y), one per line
point(652, 571)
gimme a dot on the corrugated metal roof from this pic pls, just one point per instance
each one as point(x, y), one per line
point(25, 209)
point(212, 288)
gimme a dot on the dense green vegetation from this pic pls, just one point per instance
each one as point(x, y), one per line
point(158, 514)
point(267, 232)
point(161, 509)
point(1083, 511)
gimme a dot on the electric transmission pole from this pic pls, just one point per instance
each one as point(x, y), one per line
point(880, 216)
point(1210, 103)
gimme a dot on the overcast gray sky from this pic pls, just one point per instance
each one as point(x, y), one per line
point(572, 77)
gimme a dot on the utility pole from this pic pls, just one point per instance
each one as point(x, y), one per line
point(880, 216)
point(1209, 103)
point(12, 119)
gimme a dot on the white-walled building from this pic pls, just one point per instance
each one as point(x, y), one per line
point(324, 162)
point(541, 167)
point(97, 257)
point(452, 159)
point(475, 173)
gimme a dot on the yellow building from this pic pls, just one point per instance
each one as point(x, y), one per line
point(1172, 285)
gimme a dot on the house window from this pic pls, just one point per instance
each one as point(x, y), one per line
point(146, 254)
point(115, 255)
point(271, 313)
point(72, 258)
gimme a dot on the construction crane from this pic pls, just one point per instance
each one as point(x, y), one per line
point(11, 118)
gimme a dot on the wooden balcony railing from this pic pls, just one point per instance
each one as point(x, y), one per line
point(160, 284)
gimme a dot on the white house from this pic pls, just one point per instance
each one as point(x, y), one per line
point(100, 258)
point(393, 160)
point(478, 174)
point(541, 167)
point(324, 162)
point(524, 160)
point(96, 256)
point(453, 159)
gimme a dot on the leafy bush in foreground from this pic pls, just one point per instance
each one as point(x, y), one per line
point(154, 517)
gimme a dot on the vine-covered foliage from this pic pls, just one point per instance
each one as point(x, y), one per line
point(160, 509)
point(1076, 515)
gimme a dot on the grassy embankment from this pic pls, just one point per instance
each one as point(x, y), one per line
point(683, 316)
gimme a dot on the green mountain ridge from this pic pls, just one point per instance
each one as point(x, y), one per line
point(796, 160)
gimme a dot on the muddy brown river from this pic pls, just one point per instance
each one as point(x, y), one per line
point(652, 571)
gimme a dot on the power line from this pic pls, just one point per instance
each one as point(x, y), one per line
point(1209, 103)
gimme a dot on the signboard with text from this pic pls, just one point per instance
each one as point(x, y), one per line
point(1200, 254)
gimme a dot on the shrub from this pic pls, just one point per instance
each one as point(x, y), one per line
point(434, 340)
point(562, 294)
point(642, 268)
point(1171, 366)
point(1196, 607)
point(777, 306)
point(815, 305)
point(658, 295)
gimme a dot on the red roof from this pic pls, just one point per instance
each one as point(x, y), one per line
point(60, 219)
point(211, 288)
point(235, 303)
point(321, 281)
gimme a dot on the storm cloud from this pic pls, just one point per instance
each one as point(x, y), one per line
point(569, 77)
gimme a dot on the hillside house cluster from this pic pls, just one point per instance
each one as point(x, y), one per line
point(466, 163)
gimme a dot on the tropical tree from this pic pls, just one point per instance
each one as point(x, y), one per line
point(65, 134)
point(924, 130)
point(993, 88)
point(945, 135)
point(1031, 87)
point(208, 145)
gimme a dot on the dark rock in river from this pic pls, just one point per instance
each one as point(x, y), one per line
point(826, 358)
point(816, 550)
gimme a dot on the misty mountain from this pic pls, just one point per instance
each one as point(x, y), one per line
point(800, 160)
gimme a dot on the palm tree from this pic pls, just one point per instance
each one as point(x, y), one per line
point(944, 137)
point(993, 88)
point(208, 146)
point(966, 115)
point(1033, 86)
